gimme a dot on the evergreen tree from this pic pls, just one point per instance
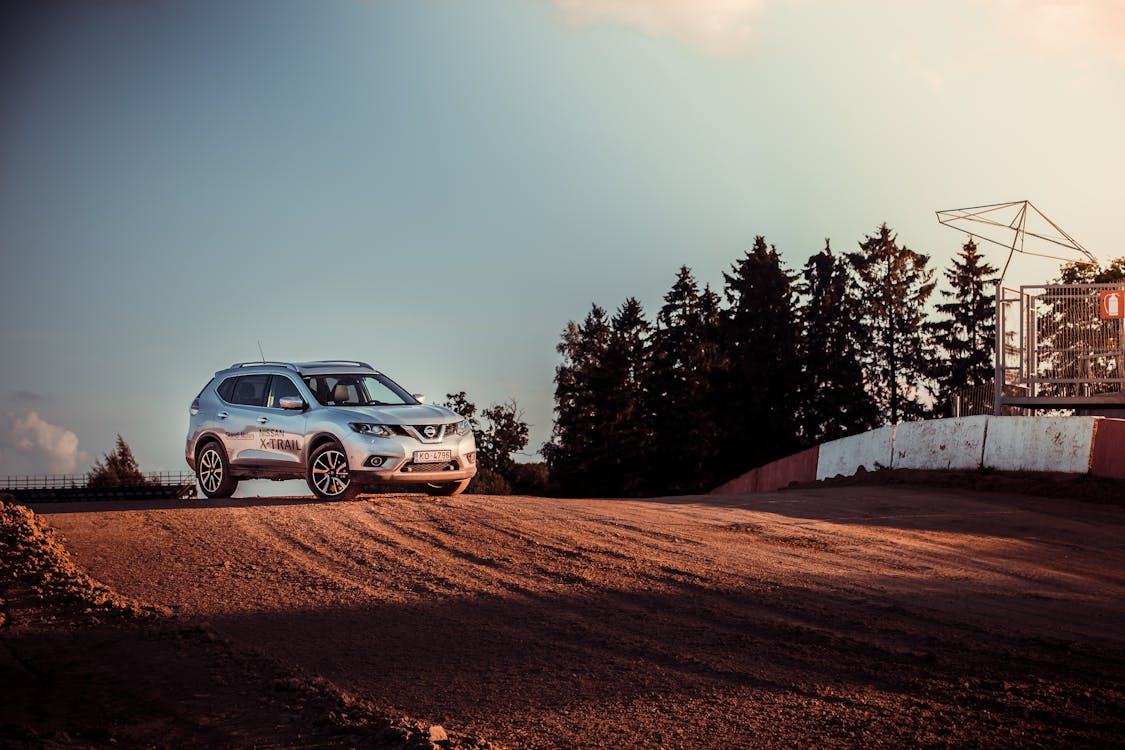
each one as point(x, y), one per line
point(118, 468)
point(573, 451)
point(626, 430)
point(895, 284)
point(833, 402)
point(966, 336)
point(686, 357)
point(758, 411)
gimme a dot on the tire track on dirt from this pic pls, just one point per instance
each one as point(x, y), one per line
point(778, 620)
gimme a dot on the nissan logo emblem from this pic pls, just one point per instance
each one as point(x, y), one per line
point(430, 431)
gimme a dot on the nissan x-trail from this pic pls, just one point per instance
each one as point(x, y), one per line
point(339, 425)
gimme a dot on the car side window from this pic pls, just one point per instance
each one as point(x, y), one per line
point(226, 389)
point(250, 390)
point(282, 387)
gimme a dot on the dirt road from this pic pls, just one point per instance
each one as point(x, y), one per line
point(816, 617)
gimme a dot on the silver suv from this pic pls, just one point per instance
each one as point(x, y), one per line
point(339, 425)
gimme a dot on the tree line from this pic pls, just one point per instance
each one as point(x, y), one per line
point(716, 383)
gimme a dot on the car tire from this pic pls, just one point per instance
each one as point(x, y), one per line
point(327, 474)
point(447, 489)
point(212, 471)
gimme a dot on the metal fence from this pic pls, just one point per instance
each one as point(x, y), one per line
point(1065, 346)
point(981, 399)
point(78, 481)
point(74, 487)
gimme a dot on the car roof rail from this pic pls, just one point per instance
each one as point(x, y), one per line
point(329, 362)
point(261, 363)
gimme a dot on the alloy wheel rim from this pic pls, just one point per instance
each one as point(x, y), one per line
point(210, 470)
point(330, 473)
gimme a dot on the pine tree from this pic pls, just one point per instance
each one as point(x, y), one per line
point(572, 453)
point(758, 414)
point(833, 402)
point(966, 337)
point(626, 429)
point(686, 357)
point(895, 284)
point(118, 468)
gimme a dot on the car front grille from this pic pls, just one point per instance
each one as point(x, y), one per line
point(418, 431)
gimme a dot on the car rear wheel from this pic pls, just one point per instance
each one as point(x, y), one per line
point(447, 489)
point(212, 471)
point(328, 474)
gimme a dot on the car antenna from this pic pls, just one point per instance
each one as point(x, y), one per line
point(263, 356)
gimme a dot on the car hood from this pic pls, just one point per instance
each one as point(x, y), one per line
point(398, 414)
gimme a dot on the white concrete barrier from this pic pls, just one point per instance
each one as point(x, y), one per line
point(1061, 444)
point(843, 457)
point(940, 444)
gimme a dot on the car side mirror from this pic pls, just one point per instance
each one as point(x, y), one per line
point(419, 397)
point(292, 403)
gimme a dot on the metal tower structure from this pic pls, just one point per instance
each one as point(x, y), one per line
point(1058, 346)
point(1018, 226)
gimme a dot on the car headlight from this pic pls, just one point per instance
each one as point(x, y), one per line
point(371, 430)
point(461, 428)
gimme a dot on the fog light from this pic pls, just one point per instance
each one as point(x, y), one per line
point(375, 461)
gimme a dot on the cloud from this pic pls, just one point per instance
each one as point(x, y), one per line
point(722, 27)
point(1063, 26)
point(30, 444)
point(716, 26)
point(29, 396)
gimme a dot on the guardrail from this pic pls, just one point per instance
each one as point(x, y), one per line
point(157, 485)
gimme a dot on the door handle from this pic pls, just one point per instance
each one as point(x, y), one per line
point(222, 415)
point(263, 420)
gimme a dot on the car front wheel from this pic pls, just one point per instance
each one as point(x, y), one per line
point(328, 474)
point(212, 471)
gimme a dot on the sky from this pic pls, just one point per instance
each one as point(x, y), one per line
point(437, 187)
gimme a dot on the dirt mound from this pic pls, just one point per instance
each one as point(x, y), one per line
point(82, 666)
point(37, 573)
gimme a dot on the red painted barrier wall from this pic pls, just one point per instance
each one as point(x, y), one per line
point(1109, 449)
point(799, 468)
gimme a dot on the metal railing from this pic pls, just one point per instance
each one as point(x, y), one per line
point(47, 488)
point(79, 481)
point(981, 399)
point(1067, 348)
point(1053, 340)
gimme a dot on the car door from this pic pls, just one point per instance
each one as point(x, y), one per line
point(281, 432)
point(245, 399)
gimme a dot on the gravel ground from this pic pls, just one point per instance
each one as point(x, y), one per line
point(852, 616)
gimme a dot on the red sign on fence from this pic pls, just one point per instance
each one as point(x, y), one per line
point(1112, 304)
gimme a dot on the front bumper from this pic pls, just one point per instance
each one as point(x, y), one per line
point(396, 465)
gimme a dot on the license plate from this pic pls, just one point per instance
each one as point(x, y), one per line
point(430, 457)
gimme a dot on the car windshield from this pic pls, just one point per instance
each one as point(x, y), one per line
point(357, 390)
